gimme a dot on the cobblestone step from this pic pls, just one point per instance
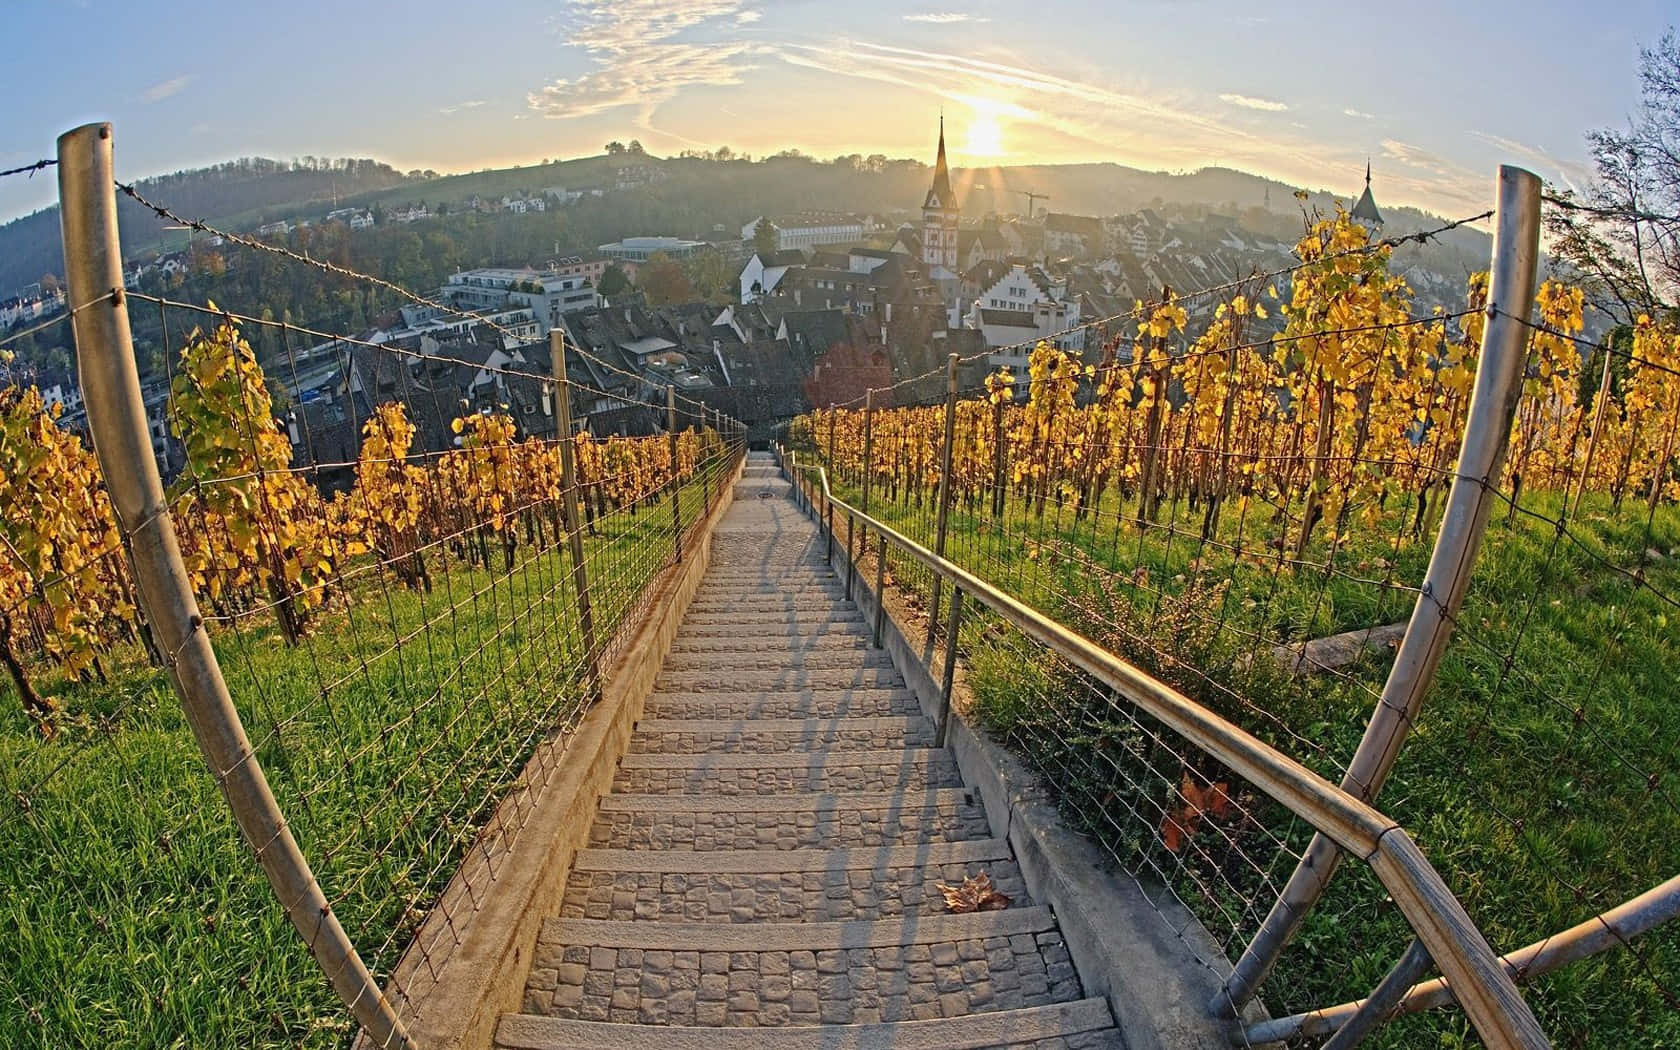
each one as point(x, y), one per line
point(747, 822)
point(807, 703)
point(754, 680)
point(875, 889)
point(770, 603)
point(786, 774)
point(790, 583)
point(771, 624)
point(775, 974)
point(1083, 1024)
point(785, 645)
point(774, 735)
point(773, 862)
point(735, 662)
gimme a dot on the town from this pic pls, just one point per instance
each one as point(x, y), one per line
point(814, 308)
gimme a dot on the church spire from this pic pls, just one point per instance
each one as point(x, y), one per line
point(939, 194)
point(1365, 211)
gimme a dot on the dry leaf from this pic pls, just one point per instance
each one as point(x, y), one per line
point(975, 894)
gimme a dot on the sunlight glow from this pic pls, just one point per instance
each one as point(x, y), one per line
point(985, 138)
point(986, 126)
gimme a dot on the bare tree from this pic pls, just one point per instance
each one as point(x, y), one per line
point(1623, 230)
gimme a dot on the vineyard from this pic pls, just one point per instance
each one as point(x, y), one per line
point(400, 643)
point(1212, 505)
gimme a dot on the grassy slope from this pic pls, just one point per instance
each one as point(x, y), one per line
point(131, 915)
point(1561, 746)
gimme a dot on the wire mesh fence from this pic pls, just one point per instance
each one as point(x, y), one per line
point(402, 629)
point(1247, 513)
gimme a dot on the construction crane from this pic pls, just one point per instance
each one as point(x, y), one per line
point(1032, 198)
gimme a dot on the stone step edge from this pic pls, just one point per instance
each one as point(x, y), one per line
point(835, 692)
point(784, 760)
point(789, 861)
point(839, 723)
point(796, 802)
point(796, 936)
point(966, 1032)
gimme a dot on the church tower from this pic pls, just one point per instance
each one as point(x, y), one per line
point(939, 216)
point(1365, 212)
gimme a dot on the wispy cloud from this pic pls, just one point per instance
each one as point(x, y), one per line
point(638, 61)
point(164, 89)
point(943, 18)
point(1415, 156)
point(1572, 174)
point(1358, 114)
point(1265, 105)
point(459, 106)
point(640, 54)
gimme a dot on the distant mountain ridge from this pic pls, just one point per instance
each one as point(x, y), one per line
point(695, 197)
point(230, 192)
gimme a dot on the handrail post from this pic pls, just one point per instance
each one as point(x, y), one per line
point(829, 507)
point(703, 466)
point(950, 676)
point(117, 418)
point(880, 587)
point(944, 490)
point(868, 466)
point(850, 555)
point(676, 475)
point(569, 503)
point(1516, 249)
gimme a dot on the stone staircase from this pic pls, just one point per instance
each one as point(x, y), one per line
point(765, 871)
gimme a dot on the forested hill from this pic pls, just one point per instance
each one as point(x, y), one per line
point(705, 197)
point(240, 192)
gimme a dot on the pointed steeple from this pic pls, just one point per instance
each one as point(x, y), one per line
point(1365, 211)
point(939, 194)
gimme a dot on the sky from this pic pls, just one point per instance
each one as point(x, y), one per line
point(1436, 93)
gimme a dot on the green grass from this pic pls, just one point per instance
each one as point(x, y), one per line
point(132, 915)
point(1543, 759)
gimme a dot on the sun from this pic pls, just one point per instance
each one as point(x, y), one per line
point(985, 137)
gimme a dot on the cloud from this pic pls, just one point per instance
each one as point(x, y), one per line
point(639, 63)
point(941, 18)
point(1360, 114)
point(747, 17)
point(164, 89)
point(459, 106)
point(1415, 156)
point(1572, 174)
point(1250, 102)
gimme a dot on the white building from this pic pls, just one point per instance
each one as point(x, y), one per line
point(641, 249)
point(762, 275)
point(1019, 331)
point(811, 229)
point(355, 218)
point(1021, 308)
point(519, 326)
point(547, 294)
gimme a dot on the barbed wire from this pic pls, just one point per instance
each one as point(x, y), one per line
point(29, 169)
point(164, 212)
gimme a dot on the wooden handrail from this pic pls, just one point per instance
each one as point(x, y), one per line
point(1485, 990)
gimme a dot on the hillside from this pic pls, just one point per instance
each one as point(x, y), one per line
point(697, 197)
point(246, 190)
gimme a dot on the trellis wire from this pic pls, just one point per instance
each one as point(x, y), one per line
point(397, 726)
